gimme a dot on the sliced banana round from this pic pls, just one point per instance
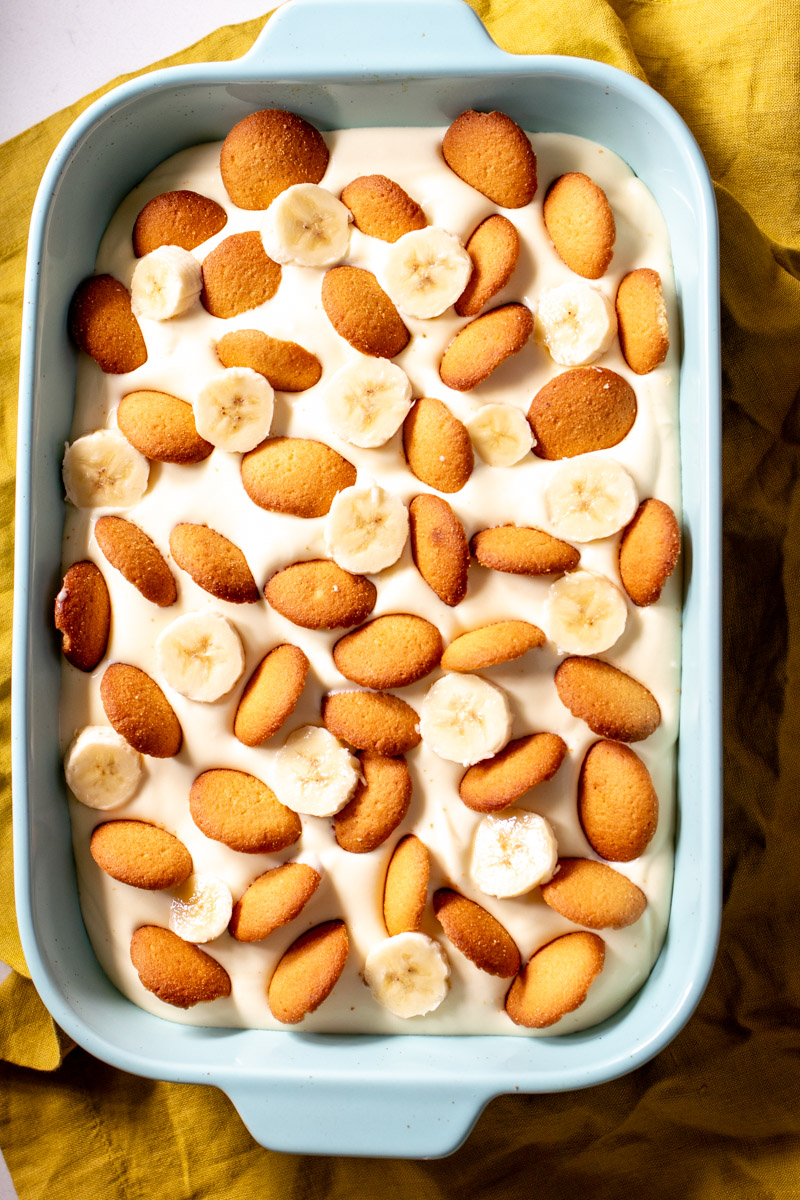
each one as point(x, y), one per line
point(102, 769)
point(576, 322)
point(425, 271)
point(585, 613)
point(465, 719)
point(165, 283)
point(408, 974)
point(513, 852)
point(501, 434)
point(366, 529)
point(234, 410)
point(313, 773)
point(201, 908)
point(200, 655)
point(102, 469)
point(367, 401)
point(306, 226)
point(589, 498)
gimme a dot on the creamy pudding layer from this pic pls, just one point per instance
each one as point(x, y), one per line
point(181, 360)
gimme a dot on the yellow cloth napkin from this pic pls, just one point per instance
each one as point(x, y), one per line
point(718, 1112)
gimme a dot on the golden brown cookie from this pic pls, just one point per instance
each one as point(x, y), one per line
point(140, 854)
point(391, 651)
point(238, 275)
point(613, 704)
point(373, 721)
point(642, 320)
point(581, 224)
point(137, 558)
point(272, 900)
point(321, 595)
point(181, 218)
point(437, 446)
point(490, 645)
point(593, 894)
point(83, 615)
point(161, 427)
point(378, 806)
point(480, 347)
point(494, 250)
point(527, 761)
point(361, 312)
point(270, 695)
point(649, 551)
point(585, 409)
point(140, 712)
point(241, 811)
point(476, 933)
point(295, 476)
point(617, 803)
point(267, 152)
point(177, 972)
point(308, 972)
point(439, 547)
point(523, 551)
point(102, 324)
point(556, 980)
point(381, 208)
point(285, 365)
point(405, 891)
point(493, 154)
point(214, 563)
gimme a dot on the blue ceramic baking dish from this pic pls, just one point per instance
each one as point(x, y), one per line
point(356, 62)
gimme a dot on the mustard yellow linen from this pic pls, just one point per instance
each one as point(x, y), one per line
point(718, 1112)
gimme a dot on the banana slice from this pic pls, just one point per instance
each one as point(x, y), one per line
point(234, 411)
point(513, 852)
point(408, 974)
point(102, 469)
point(200, 655)
point(165, 283)
point(306, 226)
point(576, 322)
point(425, 271)
point(585, 613)
point(201, 908)
point(313, 773)
point(590, 498)
point(367, 401)
point(501, 434)
point(102, 769)
point(465, 719)
point(366, 529)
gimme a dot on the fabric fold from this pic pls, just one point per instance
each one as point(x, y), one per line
point(28, 1035)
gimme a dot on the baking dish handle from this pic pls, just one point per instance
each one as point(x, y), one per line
point(396, 1117)
point(331, 37)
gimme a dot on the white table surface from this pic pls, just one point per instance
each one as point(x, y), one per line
point(52, 54)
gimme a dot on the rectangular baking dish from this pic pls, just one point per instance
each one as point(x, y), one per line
point(356, 62)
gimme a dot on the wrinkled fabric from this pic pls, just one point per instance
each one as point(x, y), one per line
point(717, 1113)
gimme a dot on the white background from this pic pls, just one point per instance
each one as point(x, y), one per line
point(52, 54)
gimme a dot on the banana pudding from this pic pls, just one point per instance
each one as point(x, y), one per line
point(369, 582)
